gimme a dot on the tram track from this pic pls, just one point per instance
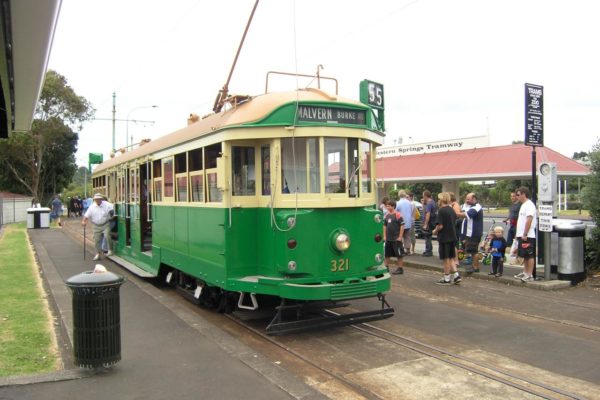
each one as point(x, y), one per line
point(497, 374)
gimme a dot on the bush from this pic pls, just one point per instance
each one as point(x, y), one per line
point(592, 252)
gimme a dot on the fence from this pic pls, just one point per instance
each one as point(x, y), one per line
point(14, 210)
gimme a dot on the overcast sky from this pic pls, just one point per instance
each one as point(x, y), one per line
point(450, 69)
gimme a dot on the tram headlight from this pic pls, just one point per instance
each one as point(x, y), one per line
point(378, 258)
point(342, 242)
point(378, 218)
point(292, 265)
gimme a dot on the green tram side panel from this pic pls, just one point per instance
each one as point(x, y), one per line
point(192, 239)
point(248, 254)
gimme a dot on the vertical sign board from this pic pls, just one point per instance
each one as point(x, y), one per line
point(534, 115)
point(545, 217)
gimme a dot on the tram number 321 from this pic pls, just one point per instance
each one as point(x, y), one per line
point(342, 264)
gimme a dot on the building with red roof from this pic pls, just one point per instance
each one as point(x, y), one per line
point(478, 164)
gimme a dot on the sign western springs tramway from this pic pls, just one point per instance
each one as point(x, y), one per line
point(434, 147)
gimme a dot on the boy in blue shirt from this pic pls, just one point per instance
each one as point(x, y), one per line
point(497, 247)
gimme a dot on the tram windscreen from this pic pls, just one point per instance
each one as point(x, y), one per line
point(300, 165)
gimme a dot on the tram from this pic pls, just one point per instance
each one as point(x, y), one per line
point(274, 196)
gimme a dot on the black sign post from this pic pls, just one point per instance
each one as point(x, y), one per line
point(534, 115)
point(534, 127)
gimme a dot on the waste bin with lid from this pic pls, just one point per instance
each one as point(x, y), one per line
point(38, 218)
point(96, 318)
point(571, 249)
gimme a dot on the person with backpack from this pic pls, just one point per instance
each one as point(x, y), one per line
point(429, 222)
point(472, 229)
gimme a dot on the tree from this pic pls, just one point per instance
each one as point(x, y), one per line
point(590, 202)
point(42, 162)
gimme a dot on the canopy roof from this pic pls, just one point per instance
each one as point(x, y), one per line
point(489, 163)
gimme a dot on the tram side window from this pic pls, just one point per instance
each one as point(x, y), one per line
point(300, 165)
point(168, 177)
point(244, 171)
point(181, 177)
point(196, 175)
point(211, 153)
point(157, 174)
point(335, 173)
point(366, 173)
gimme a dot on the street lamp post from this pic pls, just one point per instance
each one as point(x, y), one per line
point(127, 122)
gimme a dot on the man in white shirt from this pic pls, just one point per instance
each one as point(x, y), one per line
point(100, 213)
point(525, 235)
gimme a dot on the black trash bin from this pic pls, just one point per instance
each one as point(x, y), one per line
point(96, 318)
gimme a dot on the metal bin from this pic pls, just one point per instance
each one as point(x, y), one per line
point(571, 249)
point(96, 318)
point(38, 218)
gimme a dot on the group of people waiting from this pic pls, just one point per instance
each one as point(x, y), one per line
point(457, 226)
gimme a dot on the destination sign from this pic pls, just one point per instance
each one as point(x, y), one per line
point(331, 115)
point(534, 115)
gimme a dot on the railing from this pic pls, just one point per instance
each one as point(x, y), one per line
point(13, 210)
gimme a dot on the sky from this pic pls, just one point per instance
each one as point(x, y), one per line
point(450, 69)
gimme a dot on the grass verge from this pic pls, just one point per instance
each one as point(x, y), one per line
point(27, 340)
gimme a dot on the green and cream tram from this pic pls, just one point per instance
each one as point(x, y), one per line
point(273, 197)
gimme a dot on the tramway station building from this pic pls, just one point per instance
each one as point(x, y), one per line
point(466, 159)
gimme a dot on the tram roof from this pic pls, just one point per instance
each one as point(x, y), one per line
point(488, 163)
point(252, 110)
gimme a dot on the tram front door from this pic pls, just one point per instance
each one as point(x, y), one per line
point(145, 197)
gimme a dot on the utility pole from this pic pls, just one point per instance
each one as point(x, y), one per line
point(114, 112)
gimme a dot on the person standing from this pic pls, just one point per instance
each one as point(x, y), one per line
point(405, 207)
point(472, 229)
point(429, 222)
point(416, 222)
point(513, 215)
point(497, 248)
point(525, 235)
point(392, 235)
point(445, 229)
point(100, 213)
point(56, 211)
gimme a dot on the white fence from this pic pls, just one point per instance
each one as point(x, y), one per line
point(14, 210)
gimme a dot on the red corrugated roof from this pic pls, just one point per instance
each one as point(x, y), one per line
point(489, 163)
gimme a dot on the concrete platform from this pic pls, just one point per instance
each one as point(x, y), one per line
point(434, 263)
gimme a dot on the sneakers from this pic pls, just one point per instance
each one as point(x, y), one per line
point(428, 254)
point(527, 279)
point(491, 274)
point(457, 280)
point(110, 253)
point(519, 275)
point(398, 271)
point(96, 258)
point(471, 270)
point(444, 282)
point(498, 275)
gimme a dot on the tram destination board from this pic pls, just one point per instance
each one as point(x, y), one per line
point(331, 115)
point(534, 115)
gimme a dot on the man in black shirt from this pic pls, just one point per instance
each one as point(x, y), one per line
point(445, 229)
